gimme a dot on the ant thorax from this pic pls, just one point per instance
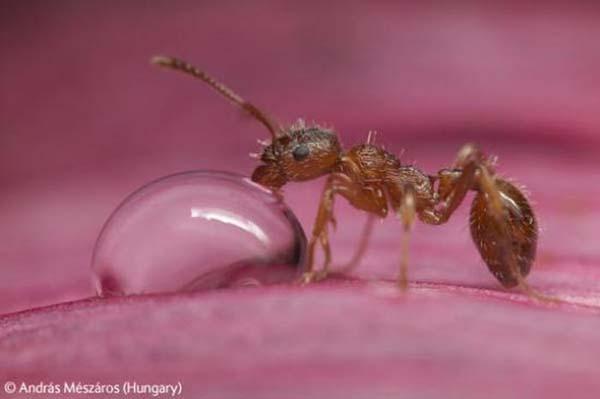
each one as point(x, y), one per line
point(373, 162)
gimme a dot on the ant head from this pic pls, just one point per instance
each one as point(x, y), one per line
point(301, 153)
point(296, 154)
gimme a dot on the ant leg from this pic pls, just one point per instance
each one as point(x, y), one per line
point(506, 238)
point(504, 230)
point(407, 212)
point(362, 245)
point(320, 233)
point(366, 199)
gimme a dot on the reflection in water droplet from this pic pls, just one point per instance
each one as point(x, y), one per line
point(197, 230)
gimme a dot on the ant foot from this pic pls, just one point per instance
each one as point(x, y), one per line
point(402, 285)
point(538, 296)
point(313, 276)
point(402, 282)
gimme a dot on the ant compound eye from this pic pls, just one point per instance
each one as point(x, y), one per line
point(301, 152)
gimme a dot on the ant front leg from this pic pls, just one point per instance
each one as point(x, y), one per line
point(364, 197)
point(335, 183)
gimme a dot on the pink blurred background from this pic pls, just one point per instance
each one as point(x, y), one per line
point(85, 119)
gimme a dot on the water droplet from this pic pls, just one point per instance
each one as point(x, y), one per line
point(195, 231)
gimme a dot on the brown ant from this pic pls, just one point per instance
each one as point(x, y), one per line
point(372, 179)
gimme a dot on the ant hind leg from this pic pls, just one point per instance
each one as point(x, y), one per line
point(503, 224)
point(514, 233)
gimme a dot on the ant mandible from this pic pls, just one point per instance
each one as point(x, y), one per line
point(503, 225)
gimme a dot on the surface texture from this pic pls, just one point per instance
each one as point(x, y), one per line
point(85, 120)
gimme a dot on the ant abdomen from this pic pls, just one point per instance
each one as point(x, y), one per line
point(507, 244)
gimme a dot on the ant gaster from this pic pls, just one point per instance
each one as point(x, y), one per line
point(503, 225)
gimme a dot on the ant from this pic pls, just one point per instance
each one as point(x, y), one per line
point(502, 223)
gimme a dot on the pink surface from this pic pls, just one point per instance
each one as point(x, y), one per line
point(85, 120)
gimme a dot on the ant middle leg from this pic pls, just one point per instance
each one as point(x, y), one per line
point(407, 213)
point(403, 198)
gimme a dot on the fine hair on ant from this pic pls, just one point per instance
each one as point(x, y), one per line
point(502, 223)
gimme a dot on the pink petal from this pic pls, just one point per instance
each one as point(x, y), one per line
point(86, 120)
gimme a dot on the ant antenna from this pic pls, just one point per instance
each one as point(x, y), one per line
point(180, 65)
